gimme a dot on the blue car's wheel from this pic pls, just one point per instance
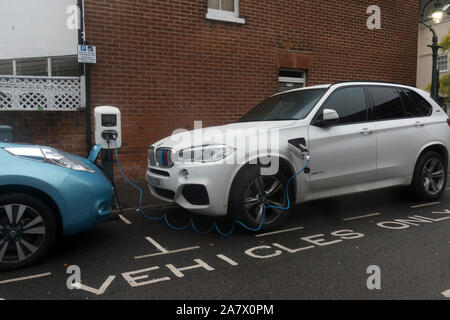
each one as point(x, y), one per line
point(27, 230)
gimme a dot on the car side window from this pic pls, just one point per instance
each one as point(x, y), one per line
point(350, 104)
point(387, 103)
point(415, 105)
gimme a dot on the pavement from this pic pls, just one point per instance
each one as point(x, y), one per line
point(374, 245)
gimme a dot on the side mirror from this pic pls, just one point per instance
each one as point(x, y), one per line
point(328, 117)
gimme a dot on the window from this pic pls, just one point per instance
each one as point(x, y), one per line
point(286, 106)
point(443, 63)
point(224, 10)
point(415, 105)
point(350, 104)
point(387, 103)
point(32, 67)
point(6, 68)
point(64, 66)
point(291, 79)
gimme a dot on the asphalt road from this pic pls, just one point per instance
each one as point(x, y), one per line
point(312, 258)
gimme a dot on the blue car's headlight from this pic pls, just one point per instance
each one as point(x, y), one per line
point(49, 155)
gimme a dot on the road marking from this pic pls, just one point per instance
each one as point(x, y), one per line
point(163, 250)
point(277, 232)
point(228, 260)
point(446, 211)
point(424, 205)
point(446, 293)
point(362, 217)
point(26, 278)
point(99, 291)
point(124, 219)
point(168, 252)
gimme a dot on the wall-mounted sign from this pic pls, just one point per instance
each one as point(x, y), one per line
point(87, 54)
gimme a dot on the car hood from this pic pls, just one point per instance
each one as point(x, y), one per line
point(225, 134)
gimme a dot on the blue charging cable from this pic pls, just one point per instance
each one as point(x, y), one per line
point(214, 225)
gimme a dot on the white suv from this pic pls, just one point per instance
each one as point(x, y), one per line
point(360, 135)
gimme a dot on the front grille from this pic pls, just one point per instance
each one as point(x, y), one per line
point(164, 158)
point(160, 172)
point(151, 156)
point(168, 194)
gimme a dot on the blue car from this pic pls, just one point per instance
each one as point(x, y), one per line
point(45, 193)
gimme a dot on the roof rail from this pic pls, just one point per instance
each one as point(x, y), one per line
point(376, 81)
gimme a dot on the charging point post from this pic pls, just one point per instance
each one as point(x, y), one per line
point(108, 133)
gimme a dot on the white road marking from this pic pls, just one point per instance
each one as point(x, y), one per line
point(446, 211)
point(168, 252)
point(424, 205)
point(124, 219)
point(26, 278)
point(157, 245)
point(446, 293)
point(163, 250)
point(277, 232)
point(99, 291)
point(228, 260)
point(362, 217)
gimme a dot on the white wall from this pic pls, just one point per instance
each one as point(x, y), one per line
point(35, 28)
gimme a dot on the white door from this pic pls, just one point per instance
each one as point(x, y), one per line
point(343, 154)
point(403, 127)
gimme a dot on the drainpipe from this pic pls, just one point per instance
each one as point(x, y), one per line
point(84, 70)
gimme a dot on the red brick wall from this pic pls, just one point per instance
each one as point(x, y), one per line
point(164, 65)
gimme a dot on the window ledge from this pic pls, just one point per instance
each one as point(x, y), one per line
point(221, 15)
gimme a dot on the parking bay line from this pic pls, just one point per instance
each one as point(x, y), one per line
point(424, 205)
point(124, 219)
point(163, 250)
point(362, 217)
point(26, 278)
point(277, 232)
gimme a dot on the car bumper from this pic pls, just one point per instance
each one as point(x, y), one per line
point(204, 191)
point(87, 200)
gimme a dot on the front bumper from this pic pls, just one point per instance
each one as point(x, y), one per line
point(204, 191)
point(87, 200)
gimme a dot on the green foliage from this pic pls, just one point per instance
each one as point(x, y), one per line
point(445, 43)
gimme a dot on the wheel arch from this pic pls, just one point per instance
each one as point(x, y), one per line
point(436, 147)
point(15, 188)
point(285, 166)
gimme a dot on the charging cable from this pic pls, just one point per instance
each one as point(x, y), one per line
point(214, 225)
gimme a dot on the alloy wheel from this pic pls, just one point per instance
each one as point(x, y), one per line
point(22, 232)
point(433, 176)
point(265, 191)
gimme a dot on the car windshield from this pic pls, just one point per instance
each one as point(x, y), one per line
point(293, 105)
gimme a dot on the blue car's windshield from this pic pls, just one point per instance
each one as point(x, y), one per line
point(293, 105)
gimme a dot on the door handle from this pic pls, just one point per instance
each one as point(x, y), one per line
point(419, 124)
point(366, 131)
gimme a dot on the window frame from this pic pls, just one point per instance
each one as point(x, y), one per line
point(441, 56)
point(48, 68)
point(430, 113)
point(223, 15)
point(314, 121)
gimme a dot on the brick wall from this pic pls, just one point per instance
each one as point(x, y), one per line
point(164, 65)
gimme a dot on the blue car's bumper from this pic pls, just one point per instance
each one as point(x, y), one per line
point(86, 200)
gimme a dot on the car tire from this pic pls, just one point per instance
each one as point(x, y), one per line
point(28, 230)
point(245, 188)
point(430, 177)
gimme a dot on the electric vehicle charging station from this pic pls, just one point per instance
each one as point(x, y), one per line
point(108, 134)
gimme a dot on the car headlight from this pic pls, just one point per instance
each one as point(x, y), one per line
point(49, 155)
point(209, 153)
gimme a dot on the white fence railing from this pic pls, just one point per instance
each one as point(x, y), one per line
point(26, 93)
